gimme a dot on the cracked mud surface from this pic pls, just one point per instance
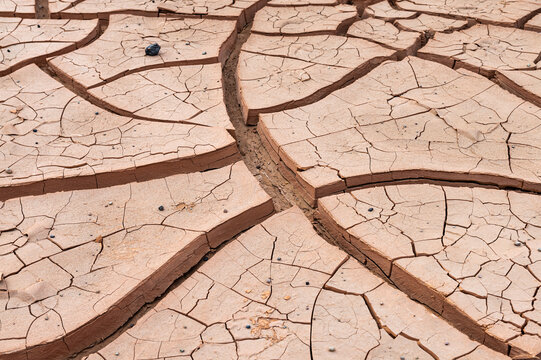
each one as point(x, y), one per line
point(507, 53)
point(24, 41)
point(279, 291)
point(406, 132)
point(385, 11)
point(510, 13)
point(276, 72)
point(408, 119)
point(475, 251)
point(54, 140)
point(17, 7)
point(431, 24)
point(238, 10)
point(305, 20)
point(117, 52)
point(386, 34)
point(189, 94)
point(78, 263)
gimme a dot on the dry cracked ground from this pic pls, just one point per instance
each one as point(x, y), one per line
point(274, 180)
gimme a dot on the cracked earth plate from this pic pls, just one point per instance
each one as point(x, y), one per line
point(512, 55)
point(509, 13)
point(304, 20)
point(408, 120)
point(76, 265)
point(471, 254)
point(282, 72)
point(120, 50)
point(191, 94)
point(280, 291)
point(24, 41)
point(52, 139)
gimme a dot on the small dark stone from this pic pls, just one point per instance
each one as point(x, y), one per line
point(161, 208)
point(181, 350)
point(34, 130)
point(9, 50)
point(225, 211)
point(206, 258)
point(204, 53)
point(153, 49)
point(307, 283)
point(9, 171)
point(52, 236)
point(248, 326)
point(96, 113)
point(39, 26)
point(279, 259)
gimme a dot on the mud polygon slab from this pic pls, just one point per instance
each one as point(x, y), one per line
point(304, 20)
point(120, 50)
point(407, 120)
point(386, 34)
point(85, 261)
point(279, 72)
point(492, 51)
point(508, 13)
point(280, 291)
point(431, 24)
point(189, 94)
point(383, 10)
point(471, 254)
point(29, 40)
point(52, 139)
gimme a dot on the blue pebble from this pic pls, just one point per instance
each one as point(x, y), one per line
point(153, 49)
